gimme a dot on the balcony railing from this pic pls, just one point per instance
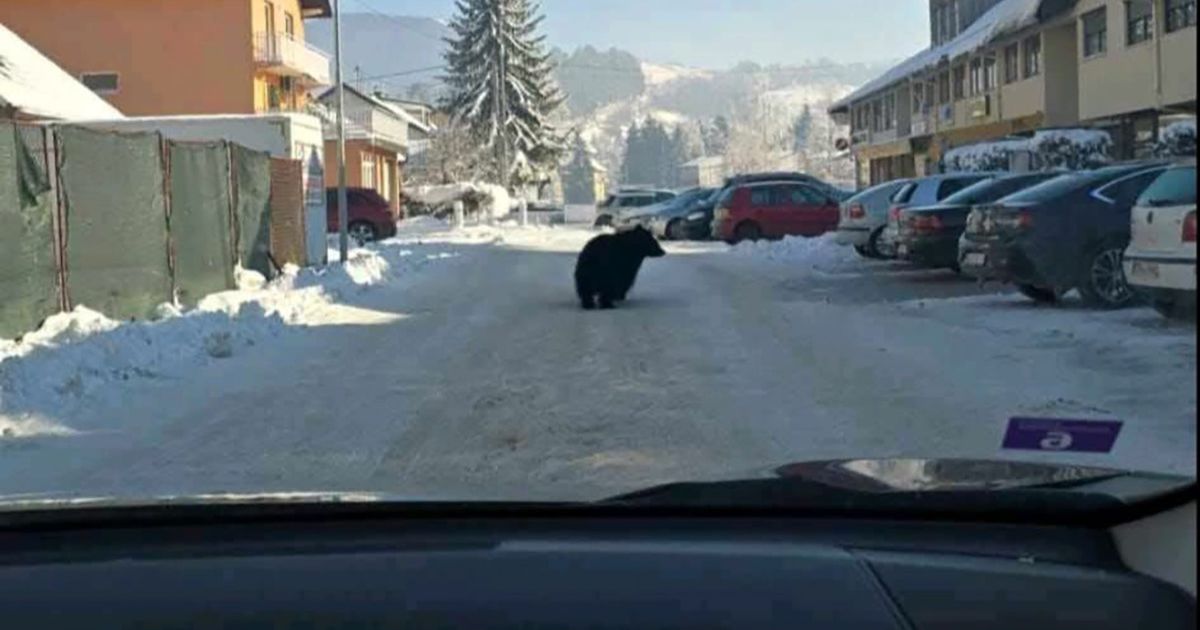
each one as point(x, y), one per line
point(281, 53)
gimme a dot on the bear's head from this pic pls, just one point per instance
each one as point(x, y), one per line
point(640, 241)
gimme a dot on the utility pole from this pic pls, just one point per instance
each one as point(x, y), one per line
point(343, 211)
point(499, 100)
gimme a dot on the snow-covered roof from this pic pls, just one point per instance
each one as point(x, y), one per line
point(1006, 17)
point(34, 85)
point(392, 108)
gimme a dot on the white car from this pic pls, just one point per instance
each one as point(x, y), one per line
point(1161, 257)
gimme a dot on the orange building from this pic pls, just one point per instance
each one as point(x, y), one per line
point(162, 57)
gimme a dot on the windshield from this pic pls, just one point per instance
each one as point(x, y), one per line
point(992, 190)
point(531, 292)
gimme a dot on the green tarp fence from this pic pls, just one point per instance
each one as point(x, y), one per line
point(200, 229)
point(116, 228)
point(252, 192)
point(28, 273)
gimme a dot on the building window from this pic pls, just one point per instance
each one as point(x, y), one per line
point(1033, 56)
point(960, 83)
point(1012, 63)
point(1095, 33)
point(876, 116)
point(289, 25)
point(989, 73)
point(1139, 21)
point(368, 172)
point(944, 88)
point(1180, 14)
point(976, 76)
point(889, 111)
point(101, 82)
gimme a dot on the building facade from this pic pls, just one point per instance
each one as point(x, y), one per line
point(1007, 67)
point(155, 57)
point(379, 135)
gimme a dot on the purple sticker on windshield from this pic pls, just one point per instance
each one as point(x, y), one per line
point(1055, 434)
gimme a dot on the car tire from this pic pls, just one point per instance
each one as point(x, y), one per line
point(863, 251)
point(363, 232)
point(1041, 295)
point(1179, 305)
point(1102, 282)
point(676, 231)
point(604, 220)
point(873, 245)
point(747, 231)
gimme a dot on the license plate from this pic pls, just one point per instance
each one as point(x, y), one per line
point(975, 259)
point(1145, 269)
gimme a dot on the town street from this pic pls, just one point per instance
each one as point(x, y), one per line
point(482, 379)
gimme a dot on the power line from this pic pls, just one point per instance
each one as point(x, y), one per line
point(397, 22)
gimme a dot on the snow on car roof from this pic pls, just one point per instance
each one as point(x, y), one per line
point(1004, 18)
point(34, 85)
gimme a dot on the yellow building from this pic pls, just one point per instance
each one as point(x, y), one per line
point(1003, 67)
point(158, 57)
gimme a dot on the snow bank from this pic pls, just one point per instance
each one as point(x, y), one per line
point(822, 253)
point(82, 353)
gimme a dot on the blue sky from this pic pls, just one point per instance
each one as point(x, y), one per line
point(720, 33)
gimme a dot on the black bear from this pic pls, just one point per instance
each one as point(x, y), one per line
point(609, 264)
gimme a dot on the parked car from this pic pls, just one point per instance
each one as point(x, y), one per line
point(1069, 232)
point(692, 222)
point(864, 217)
point(371, 216)
point(925, 191)
point(1161, 258)
point(668, 220)
point(788, 176)
point(929, 234)
point(644, 216)
point(609, 211)
point(773, 210)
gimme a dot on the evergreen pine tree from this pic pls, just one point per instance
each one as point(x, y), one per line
point(500, 86)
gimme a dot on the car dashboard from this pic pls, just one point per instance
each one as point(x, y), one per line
point(552, 568)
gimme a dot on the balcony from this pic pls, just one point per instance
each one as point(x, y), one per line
point(283, 55)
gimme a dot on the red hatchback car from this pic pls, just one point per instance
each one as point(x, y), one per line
point(773, 210)
point(371, 216)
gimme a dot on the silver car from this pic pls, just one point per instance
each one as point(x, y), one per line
point(864, 217)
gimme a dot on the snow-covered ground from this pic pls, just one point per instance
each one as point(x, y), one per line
point(457, 364)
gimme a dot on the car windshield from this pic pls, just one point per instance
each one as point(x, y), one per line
point(992, 190)
point(588, 248)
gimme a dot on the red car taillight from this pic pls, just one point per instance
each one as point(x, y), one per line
point(1189, 228)
point(894, 214)
point(924, 222)
point(856, 211)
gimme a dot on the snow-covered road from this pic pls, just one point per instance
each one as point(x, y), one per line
point(480, 378)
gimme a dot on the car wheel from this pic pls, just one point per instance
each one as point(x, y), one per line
point(1040, 295)
point(362, 232)
point(1103, 284)
point(873, 245)
point(676, 231)
point(604, 220)
point(747, 231)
